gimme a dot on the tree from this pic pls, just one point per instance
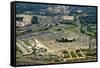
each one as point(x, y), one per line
point(34, 19)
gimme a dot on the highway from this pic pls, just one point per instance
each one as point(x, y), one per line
point(78, 23)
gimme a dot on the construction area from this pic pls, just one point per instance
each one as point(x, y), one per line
point(55, 34)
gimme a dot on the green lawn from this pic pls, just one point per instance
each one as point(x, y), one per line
point(73, 54)
point(27, 42)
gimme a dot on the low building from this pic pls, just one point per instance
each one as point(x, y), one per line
point(69, 18)
point(19, 24)
point(26, 20)
point(22, 24)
